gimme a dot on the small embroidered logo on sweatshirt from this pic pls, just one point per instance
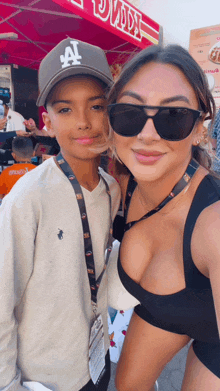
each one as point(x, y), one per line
point(60, 234)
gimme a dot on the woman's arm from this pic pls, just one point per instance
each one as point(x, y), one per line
point(206, 250)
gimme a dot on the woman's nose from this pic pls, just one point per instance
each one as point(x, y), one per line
point(149, 131)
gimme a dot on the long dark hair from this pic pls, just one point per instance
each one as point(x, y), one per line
point(179, 57)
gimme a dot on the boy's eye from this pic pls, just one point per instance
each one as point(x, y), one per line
point(64, 110)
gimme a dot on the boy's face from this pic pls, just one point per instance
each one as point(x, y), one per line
point(77, 117)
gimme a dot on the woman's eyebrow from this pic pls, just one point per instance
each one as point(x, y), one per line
point(176, 98)
point(132, 95)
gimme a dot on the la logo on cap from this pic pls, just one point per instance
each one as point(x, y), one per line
point(71, 55)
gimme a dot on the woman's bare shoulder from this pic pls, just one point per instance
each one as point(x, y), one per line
point(208, 219)
point(206, 235)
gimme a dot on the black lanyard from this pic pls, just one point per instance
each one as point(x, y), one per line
point(94, 283)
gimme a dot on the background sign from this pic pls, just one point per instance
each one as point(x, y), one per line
point(205, 49)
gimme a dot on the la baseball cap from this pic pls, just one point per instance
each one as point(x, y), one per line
point(71, 57)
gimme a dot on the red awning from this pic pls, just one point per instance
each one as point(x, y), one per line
point(114, 25)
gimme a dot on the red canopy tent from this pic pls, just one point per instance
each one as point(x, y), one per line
point(114, 25)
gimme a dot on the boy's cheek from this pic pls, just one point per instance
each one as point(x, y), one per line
point(106, 124)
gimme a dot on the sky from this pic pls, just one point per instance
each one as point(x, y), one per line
point(178, 17)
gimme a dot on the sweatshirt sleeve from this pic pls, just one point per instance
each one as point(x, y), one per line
point(118, 297)
point(18, 226)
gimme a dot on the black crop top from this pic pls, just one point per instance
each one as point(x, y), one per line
point(190, 311)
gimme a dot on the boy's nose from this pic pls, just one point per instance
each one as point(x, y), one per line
point(83, 122)
point(83, 126)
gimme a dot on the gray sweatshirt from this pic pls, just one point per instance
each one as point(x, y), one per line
point(45, 307)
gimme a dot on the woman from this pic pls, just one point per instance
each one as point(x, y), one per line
point(169, 259)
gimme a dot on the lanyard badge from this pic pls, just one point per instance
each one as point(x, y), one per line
point(96, 342)
point(97, 351)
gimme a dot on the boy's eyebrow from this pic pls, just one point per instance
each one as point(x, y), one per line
point(69, 101)
point(97, 97)
point(60, 101)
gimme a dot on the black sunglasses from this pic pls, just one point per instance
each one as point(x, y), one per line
point(171, 123)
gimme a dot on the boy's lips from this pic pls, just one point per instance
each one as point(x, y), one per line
point(86, 140)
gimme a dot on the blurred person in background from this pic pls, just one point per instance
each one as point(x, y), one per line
point(216, 143)
point(32, 127)
point(11, 125)
point(11, 121)
point(43, 136)
point(22, 152)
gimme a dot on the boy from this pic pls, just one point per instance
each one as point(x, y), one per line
point(51, 329)
point(22, 152)
point(11, 121)
point(11, 124)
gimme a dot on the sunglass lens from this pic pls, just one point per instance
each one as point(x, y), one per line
point(127, 120)
point(174, 123)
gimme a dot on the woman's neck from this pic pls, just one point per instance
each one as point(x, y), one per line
point(153, 193)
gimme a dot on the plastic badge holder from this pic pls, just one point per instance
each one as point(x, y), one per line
point(35, 386)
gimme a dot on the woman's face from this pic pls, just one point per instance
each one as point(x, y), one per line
point(147, 155)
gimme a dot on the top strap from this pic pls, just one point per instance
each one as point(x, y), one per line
point(129, 192)
point(119, 221)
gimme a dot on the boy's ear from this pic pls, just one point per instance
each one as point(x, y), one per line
point(13, 155)
point(48, 124)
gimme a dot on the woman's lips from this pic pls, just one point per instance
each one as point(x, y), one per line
point(147, 157)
